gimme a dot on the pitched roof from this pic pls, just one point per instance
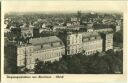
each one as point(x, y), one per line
point(44, 40)
point(89, 34)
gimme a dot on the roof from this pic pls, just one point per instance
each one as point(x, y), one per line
point(76, 26)
point(90, 34)
point(108, 32)
point(44, 43)
point(44, 40)
point(102, 26)
point(60, 26)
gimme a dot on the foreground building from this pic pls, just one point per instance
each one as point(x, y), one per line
point(47, 49)
point(107, 40)
point(43, 49)
point(73, 43)
point(87, 42)
point(92, 43)
point(52, 48)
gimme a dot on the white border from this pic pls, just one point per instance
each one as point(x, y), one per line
point(73, 78)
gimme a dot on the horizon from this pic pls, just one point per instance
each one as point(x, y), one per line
point(75, 12)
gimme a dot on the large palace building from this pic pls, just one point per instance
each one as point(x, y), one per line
point(52, 48)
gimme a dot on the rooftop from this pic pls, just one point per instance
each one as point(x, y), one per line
point(44, 40)
point(101, 26)
point(90, 34)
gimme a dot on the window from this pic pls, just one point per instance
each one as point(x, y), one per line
point(68, 52)
point(18, 51)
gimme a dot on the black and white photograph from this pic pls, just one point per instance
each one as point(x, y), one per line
point(63, 39)
point(69, 40)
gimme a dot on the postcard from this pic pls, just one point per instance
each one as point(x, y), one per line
point(63, 41)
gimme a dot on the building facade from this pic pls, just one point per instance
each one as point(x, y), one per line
point(24, 55)
point(107, 40)
point(46, 49)
point(92, 43)
point(87, 42)
point(74, 43)
point(43, 49)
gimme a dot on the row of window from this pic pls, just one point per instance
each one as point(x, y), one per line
point(92, 52)
point(25, 50)
point(94, 42)
point(20, 62)
point(73, 51)
point(90, 42)
point(40, 56)
point(30, 66)
point(44, 56)
point(74, 42)
point(73, 37)
point(20, 57)
point(94, 46)
point(30, 60)
point(49, 50)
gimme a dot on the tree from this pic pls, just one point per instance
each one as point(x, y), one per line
point(118, 37)
point(38, 66)
point(111, 62)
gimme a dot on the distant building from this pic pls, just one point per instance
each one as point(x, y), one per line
point(43, 25)
point(118, 28)
point(102, 28)
point(27, 32)
point(6, 30)
point(68, 24)
point(74, 19)
point(59, 27)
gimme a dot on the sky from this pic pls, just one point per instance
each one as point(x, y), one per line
point(63, 6)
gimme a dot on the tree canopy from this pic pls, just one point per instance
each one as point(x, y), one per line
point(111, 62)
